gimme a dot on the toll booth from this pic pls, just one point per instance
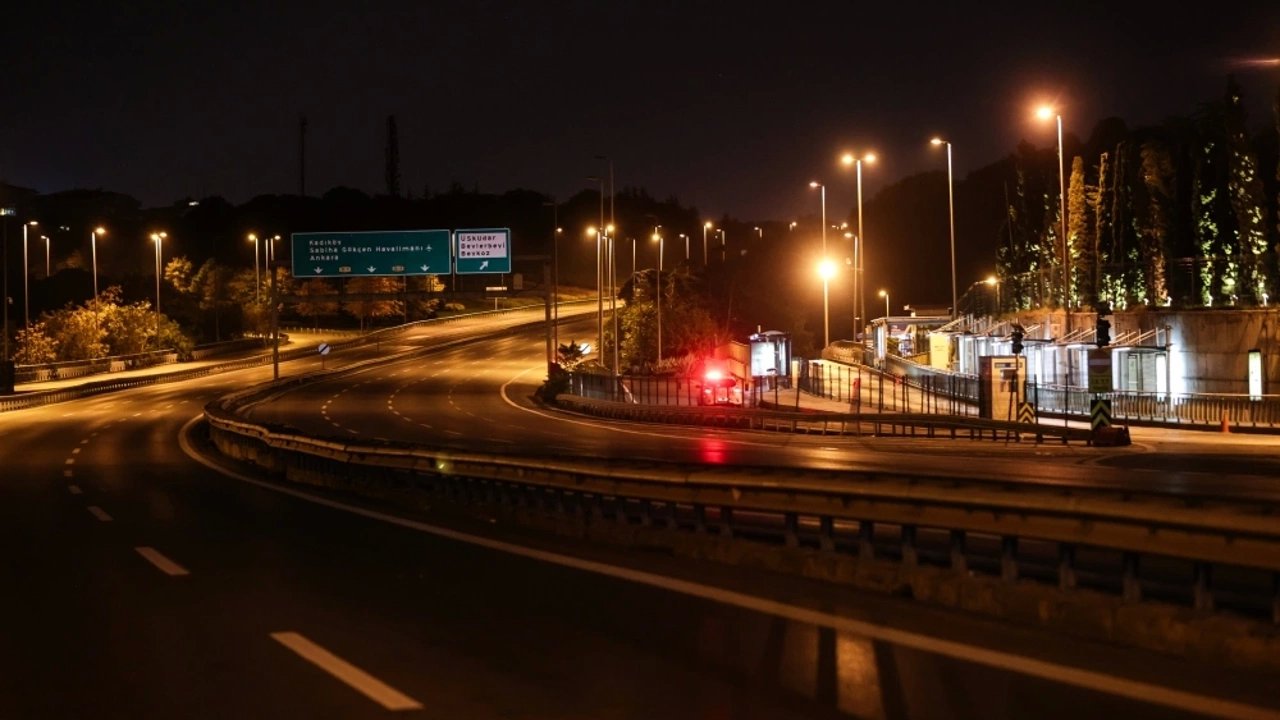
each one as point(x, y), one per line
point(1000, 382)
point(771, 359)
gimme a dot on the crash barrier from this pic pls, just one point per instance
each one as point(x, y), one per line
point(35, 399)
point(44, 372)
point(1162, 571)
point(1194, 409)
point(922, 425)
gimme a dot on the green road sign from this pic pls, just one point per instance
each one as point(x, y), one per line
point(484, 250)
point(371, 254)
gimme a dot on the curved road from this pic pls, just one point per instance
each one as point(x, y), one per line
point(143, 582)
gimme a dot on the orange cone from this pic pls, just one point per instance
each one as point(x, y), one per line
point(1226, 426)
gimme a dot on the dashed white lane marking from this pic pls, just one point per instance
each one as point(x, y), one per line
point(99, 513)
point(75, 451)
point(353, 432)
point(67, 473)
point(370, 686)
point(84, 441)
point(167, 566)
point(70, 461)
point(74, 489)
point(137, 414)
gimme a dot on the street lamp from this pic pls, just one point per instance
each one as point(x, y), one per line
point(859, 249)
point(26, 266)
point(257, 276)
point(826, 270)
point(823, 188)
point(759, 232)
point(46, 255)
point(158, 239)
point(951, 215)
point(995, 283)
point(705, 227)
point(93, 250)
point(598, 235)
point(1044, 112)
point(724, 242)
point(686, 246)
point(658, 238)
point(885, 294)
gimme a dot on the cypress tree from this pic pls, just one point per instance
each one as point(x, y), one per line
point(1245, 188)
point(1157, 177)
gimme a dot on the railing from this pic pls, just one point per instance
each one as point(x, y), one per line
point(1218, 557)
point(44, 372)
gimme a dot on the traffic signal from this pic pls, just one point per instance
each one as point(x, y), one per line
point(1103, 330)
point(1016, 336)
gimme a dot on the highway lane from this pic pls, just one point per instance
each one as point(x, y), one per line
point(144, 584)
point(480, 396)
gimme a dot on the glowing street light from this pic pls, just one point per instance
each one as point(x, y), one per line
point(885, 294)
point(257, 276)
point(593, 232)
point(1044, 112)
point(26, 268)
point(859, 245)
point(46, 255)
point(686, 246)
point(992, 281)
point(158, 239)
point(826, 270)
point(657, 237)
point(951, 215)
point(705, 227)
point(93, 249)
point(823, 188)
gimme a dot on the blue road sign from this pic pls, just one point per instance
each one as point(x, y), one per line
point(371, 254)
point(483, 250)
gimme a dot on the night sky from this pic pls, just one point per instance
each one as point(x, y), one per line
point(731, 106)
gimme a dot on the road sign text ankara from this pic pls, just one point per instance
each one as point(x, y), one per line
point(484, 250)
point(371, 254)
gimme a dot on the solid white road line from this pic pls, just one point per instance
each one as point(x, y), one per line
point(373, 688)
point(67, 473)
point(75, 451)
point(70, 461)
point(1007, 661)
point(74, 489)
point(166, 565)
point(99, 513)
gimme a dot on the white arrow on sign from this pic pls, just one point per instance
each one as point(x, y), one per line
point(484, 265)
point(424, 267)
point(372, 268)
point(319, 270)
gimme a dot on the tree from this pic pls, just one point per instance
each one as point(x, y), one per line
point(212, 287)
point(1245, 189)
point(1157, 176)
point(1079, 236)
point(366, 306)
point(35, 347)
point(316, 297)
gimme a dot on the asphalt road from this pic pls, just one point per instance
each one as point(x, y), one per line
point(144, 583)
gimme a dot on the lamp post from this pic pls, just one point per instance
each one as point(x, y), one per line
point(724, 243)
point(93, 251)
point(951, 216)
point(686, 246)
point(823, 188)
point(826, 270)
point(599, 267)
point(158, 239)
point(1044, 112)
point(26, 297)
point(860, 247)
point(658, 238)
point(612, 263)
point(257, 276)
point(705, 227)
point(46, 256)
point(885, 294)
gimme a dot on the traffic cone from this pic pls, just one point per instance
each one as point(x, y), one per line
point(1226, 426)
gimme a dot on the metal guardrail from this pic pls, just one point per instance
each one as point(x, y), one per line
point(1136, 546)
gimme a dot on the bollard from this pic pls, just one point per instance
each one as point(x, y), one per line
point(1226, 426)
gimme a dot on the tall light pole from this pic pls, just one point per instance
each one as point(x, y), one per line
point(658, 238)
point(759, 232)
point(158, 239)
point(93, 250)
point(860, 247)
point(705, 227)
point(885, 294)
point(994, 282)
point(724, 243)
point(599, 235)
point(612, 262)
point(1044, 112)
point(46, 255)
point(951, 216)
point(555, 277)
point(257, 276)
point(26, 297)
point(823, 188)
point(686, 246)
point(826, 270)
